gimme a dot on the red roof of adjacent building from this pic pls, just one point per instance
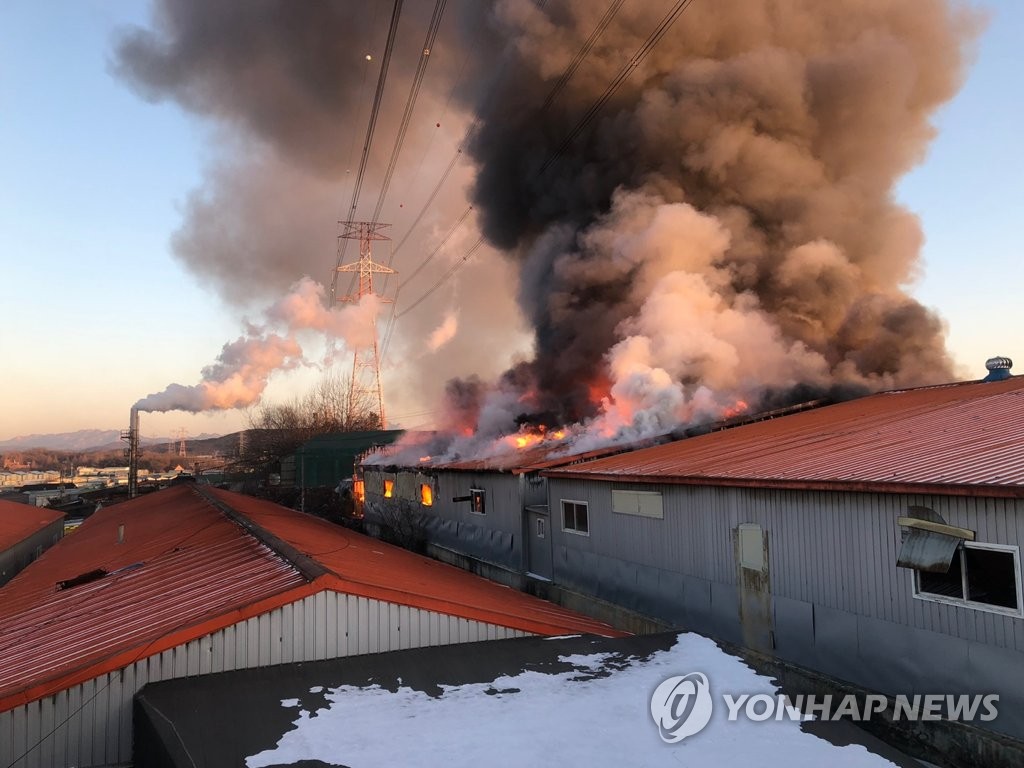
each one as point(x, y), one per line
point(177, 565)
point(953, 439)
point(19, 521)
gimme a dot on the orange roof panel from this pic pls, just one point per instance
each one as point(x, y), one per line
point(365, 566)
point(172, 566)
point(19, 521)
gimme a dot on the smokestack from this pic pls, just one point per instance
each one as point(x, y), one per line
point(131, 436)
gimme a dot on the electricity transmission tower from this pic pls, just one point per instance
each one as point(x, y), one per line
point(365, 386)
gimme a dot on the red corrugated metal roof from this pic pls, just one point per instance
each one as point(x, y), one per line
point(184, 569)
point(181, 564)
point(958, 438)
point(19, 521)
point(364, 566)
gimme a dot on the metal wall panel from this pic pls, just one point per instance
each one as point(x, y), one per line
point(91, 724)
point(16, 558)
point(495, 537)
point(840, 603)
point(837, 550)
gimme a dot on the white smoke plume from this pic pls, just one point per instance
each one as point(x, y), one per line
point(443, 333)
point(240, 375)
point(235, 380)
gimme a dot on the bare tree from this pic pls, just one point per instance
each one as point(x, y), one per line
point(277, 430)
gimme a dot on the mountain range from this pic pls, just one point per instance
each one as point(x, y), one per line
point(84, 440)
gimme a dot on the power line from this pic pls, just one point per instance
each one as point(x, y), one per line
point(581, 54)
point(410, 103)
point(451, 271)
point(430, 256)
point(635, 61)
point(638, 58)
point(566, 75)
point(382, 77)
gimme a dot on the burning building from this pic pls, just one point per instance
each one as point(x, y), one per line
point(697, 204)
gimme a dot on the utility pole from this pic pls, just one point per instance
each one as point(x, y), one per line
point(365, 385)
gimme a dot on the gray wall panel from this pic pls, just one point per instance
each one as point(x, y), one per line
point(835, 641)
point(794, 629)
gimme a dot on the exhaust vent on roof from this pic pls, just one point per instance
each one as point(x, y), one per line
point(998, 368)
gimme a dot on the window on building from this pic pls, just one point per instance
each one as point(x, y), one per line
point(478, 501)
point(426, 495)
point(542, 528)
point(574, 517)
point(389, 489)
point(980, 576)
point(642, 503)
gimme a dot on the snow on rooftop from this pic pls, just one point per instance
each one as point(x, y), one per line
point(595, 714)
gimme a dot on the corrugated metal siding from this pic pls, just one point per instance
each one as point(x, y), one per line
point(831, 549)
point(496, 536)
point(91, 724)
point(21, 554)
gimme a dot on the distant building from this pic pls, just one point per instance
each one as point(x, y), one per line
point(22, 477)
point(25, 533)
point(190, 581)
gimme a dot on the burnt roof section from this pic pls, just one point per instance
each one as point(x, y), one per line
point(958, 439)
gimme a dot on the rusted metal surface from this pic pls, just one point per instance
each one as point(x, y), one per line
point(960, 438)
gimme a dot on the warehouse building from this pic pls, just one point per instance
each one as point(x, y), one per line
point(191, 581)
point(477, 513)
point(876, 541)
point(25, 533)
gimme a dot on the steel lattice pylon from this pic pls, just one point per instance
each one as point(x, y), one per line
point(365, 382)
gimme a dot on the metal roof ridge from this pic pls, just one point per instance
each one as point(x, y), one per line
point(310, 569)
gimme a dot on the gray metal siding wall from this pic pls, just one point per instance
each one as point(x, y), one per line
point(21, 555)
point(839, 603)
point(92, 722)
point(495, 537)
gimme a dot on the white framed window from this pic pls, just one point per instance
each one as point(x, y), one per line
point(575, 518)
point(478, 501)
point(640, 503)
point(981, 576)
point(542, 528)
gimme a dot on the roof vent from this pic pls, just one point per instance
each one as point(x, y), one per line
point(998, 368)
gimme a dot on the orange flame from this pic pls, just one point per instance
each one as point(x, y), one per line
point(425, 458)
point(737, 408)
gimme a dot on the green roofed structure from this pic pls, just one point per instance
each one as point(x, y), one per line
point(326, 460)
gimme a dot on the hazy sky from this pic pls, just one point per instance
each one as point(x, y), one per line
point(96, 312)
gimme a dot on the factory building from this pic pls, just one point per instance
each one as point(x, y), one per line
point(876, 541)
point(191, 581)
